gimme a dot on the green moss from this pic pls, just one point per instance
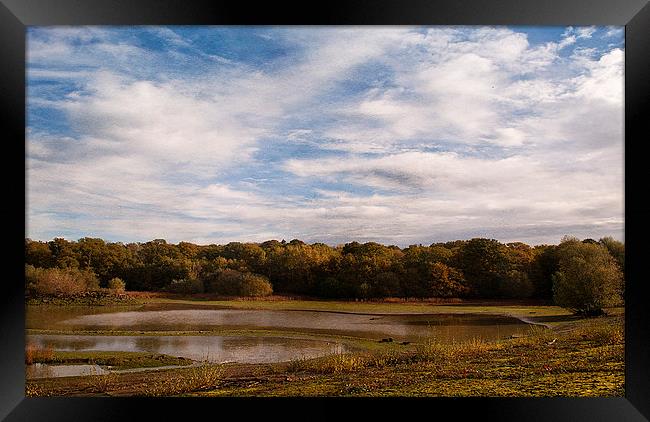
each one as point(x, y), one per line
point(375, 307)
point(116, 360)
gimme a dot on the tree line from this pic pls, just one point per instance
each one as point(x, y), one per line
point(476, 268)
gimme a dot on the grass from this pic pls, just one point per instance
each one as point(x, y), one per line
point(599, 331)
point(587, 360)
point(201, 378)
point(116, 360)
point(101, 383)
point(383, 307)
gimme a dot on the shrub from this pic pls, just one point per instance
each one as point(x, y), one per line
point(34, 353)
point(201, 378)
point(603, 332)
point(236, 283)
point(226, 282)
point(255, 285)
point(116, 284)
point(66, 281)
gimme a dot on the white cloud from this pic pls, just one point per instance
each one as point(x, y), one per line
point(585, 32)
point(528, 141)
point(614, 31)
point(567, 41)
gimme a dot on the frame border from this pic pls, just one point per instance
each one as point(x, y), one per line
point(16, 15)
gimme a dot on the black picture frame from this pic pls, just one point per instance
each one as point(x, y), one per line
point(16, 15)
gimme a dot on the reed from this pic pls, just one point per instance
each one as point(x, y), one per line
point(35, 353)
point(199, 378)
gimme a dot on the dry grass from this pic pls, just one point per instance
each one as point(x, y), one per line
point(333, 364)
point(431, 300)
point(434, 350)
point(34, 353)
point(200, 378)
point(603, 332)
point(431, 351)
point(102, 383)
point(536, 336)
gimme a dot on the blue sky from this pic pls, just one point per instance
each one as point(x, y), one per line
point(399, 135)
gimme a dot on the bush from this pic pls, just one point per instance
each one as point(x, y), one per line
point(226, 282)
point(588, 278)
point(255, 285)
point(236, 283)
point(59, 281)
point(116, 284)
point(34, 354)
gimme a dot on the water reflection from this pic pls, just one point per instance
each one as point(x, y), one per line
point(402, 327)
point(216, 349)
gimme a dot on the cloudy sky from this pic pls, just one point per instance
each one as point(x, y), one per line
point(398, 135)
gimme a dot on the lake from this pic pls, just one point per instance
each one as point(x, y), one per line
point(207, 338)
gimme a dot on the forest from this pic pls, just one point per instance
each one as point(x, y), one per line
point(475, 268)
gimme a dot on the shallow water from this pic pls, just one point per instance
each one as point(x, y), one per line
point(444, 327)
point(217, 349)
point(235, 348)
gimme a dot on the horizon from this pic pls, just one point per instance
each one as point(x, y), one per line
point(284, 241)
point(393, 135)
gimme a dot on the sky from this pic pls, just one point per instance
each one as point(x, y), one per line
point(394, 134)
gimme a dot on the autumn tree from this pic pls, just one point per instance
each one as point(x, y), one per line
point(63, 253)
point(588, 278)
point(445, 281)
point(235, 283)
point(616, 249)
point(477, 267)
point(545, 264)
point(38, 254)
point(484, 262)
